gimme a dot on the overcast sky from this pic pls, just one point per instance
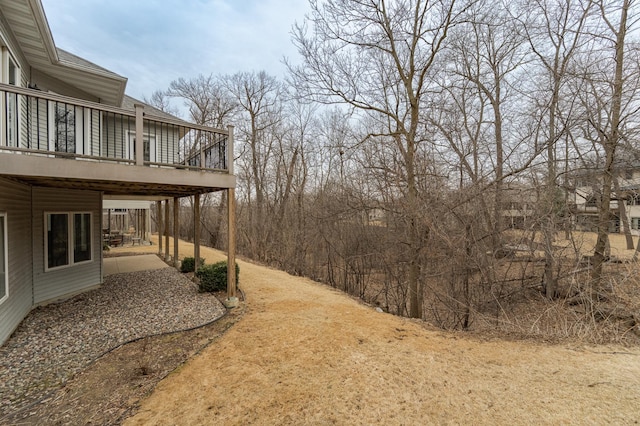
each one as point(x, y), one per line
point(153, 42)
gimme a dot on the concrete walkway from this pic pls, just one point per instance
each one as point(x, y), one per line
point(145, 262)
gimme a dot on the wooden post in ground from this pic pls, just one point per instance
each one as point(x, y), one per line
point(147, 222)
point(232, 300)
point(196, 231)
point(138, 224)
point(160, 225)
point(176, 229)
point(166, 230)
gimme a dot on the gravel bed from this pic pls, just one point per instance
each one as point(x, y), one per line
point(57, 341)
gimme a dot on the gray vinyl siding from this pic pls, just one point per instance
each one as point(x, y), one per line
point(36, 123)
point(167, 140)
point(36, 126)
point(65, 281)
point(15, 202)
point(114, 136)
point(95, 124)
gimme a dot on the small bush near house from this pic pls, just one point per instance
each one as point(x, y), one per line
point(214, 277)
point(189, 264)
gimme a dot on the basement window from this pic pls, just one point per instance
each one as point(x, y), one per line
point(68, 239)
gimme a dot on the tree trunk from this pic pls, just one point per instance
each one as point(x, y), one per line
point(415, 289)
point(610, 143)
point(549, 225)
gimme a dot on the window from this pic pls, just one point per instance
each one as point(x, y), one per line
point(64, 123)
point(57, 240)
point(592, 201)
point(635, 223)
point(66, 127)
point(633, 200)
point(149, 147)
point(81, 237)
point(4, 275)
point(68, 239)
point(13, 73)
point(10, 74)
point(12, 119)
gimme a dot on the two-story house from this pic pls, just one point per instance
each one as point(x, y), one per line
point(625, 194)
point(68, 141)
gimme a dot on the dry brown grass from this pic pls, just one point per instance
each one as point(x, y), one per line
point(582, 242)
point(306, 354)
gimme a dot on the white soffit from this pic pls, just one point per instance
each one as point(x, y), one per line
point(29, 25)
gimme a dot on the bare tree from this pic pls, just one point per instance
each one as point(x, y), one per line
point(162, 100)
point(490, 52)
point(377, 57)
point(208, 102)
point(259, 96)
point(604, 108)
point(555, 33)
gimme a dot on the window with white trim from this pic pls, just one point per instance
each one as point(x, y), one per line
point(148, 144)
point(635, 223)
point(66, 127)
point(68, 239)
point(4, 259)
point(9, 74)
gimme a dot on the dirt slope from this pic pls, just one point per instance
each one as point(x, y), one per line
point(304, 354)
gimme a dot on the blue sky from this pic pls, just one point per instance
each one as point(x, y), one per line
point(152, 42)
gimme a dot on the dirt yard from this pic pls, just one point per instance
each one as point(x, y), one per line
point(305, 354)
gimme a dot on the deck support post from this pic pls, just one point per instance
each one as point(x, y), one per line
point(166, 231)
point(160, 225)
point(176, 229)
point(232, 299)
point(147, 224)
point(137, 223)
point(196, 231)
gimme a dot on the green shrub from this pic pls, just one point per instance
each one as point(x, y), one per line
point(214, 277)
point(189, 264)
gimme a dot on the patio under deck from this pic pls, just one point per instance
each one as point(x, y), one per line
point(55, 141)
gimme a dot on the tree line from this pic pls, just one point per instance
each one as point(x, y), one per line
point(384, 163)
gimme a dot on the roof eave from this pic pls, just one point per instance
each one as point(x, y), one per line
point(45, 31)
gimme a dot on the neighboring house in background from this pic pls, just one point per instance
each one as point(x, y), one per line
point(631, 195)
point(519, 206)
point(67, 143)
point(586, 197)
